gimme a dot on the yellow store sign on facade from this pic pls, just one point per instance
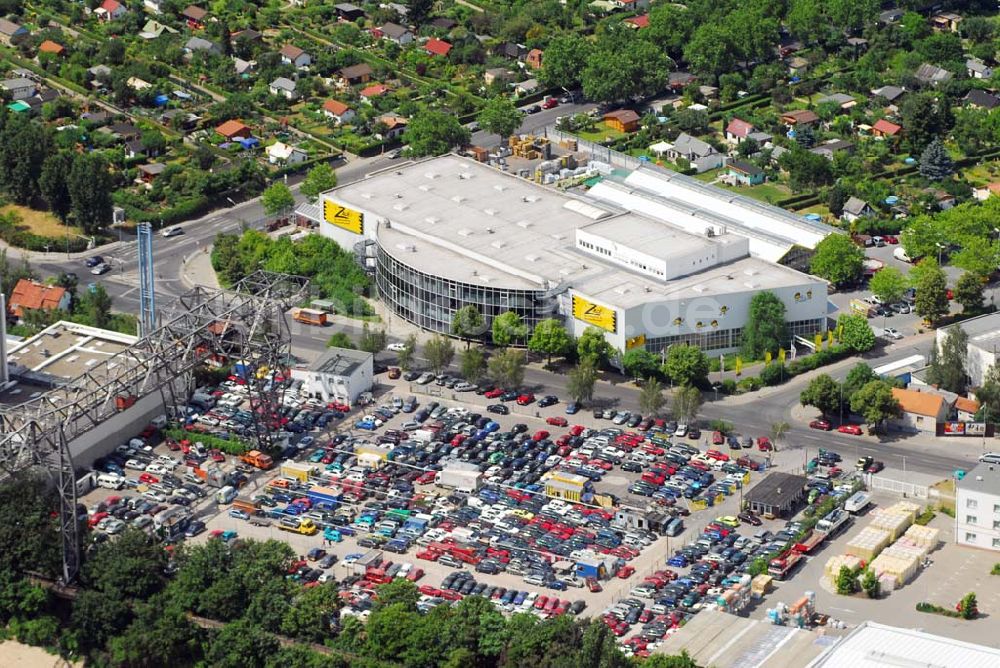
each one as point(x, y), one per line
point(341, 216)
point(595, 314)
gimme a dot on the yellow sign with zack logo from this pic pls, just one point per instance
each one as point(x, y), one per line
point(341, 216)
point(595, 314)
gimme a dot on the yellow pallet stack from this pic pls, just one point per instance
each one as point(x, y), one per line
point(868, 543)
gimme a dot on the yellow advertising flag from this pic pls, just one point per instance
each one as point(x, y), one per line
point(739, 365)
point(767, 357)
point(818, 340)
point(829, 337)
point(781, 355)
point(840, 333)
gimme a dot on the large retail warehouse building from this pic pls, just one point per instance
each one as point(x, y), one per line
point(651, 258)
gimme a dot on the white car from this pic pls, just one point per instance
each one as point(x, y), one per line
point(172, 231)
point(892, 333)
point(157, 468)
point(135, 465)
point(425, 378)
point(682, 430)
point(396, 347)
point(114, 526)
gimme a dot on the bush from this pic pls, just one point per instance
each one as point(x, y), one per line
point(995, 570)
point(967, 607)
point(230, 446)
point(936, 609)
point(774, 374)
point(847, 580)
point(950, 512)
point(728, 386)
point(721, 426)
point(924, 518)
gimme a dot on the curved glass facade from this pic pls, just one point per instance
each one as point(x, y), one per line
point(430, 301)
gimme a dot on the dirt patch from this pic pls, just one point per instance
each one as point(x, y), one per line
point(41, 223)
point(15, 655)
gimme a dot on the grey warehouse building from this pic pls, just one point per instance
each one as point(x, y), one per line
point(652, 259)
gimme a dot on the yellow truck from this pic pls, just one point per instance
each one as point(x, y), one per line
point(300, 472)
point(302, 525)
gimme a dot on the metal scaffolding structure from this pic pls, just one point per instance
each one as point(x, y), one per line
point(204, 326)
point(147, 290)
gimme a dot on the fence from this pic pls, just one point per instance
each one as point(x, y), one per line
point(905, 489)
point(605, 153)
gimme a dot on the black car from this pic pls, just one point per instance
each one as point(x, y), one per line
point(411, 376)
point(94, 261)
point(533, 109)
point(509, 395)
point(634, 467)
point(548, 400)
point(499, 409)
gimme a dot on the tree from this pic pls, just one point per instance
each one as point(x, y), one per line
point(398, 592)
point(778, 431)
point(565, 58)
point(319, 179)
point(640, 363)
point(806, 170)
point(404, 357)
point(847, 581)
point(869, 583)
point(340, 340)
point(888, 284)
point(686, 402)
point(978, 255)
point(90, 190)
point(935, 163)
point(372, 340)
point(855, 332)
point(277, 199)
point(875, 403)
point(682, 660)
point(581, 381)
point(765, 330)
point(439, 352)
point(500, 116)
point(53, 183)
point(419, 10)
point(860, 375)
point(947, 364)
point(923, 120)
point(686, 365)
point(930, 283)
point(473, 364)
point(95, 305)
point(822, 393)
point(468, 323)
point(623, 67)
point(432, 132)
point(710, 50)
point(550, 338)
point(240, 644)
point(988, 395)
point(593, 346)
point(837, 259)
point(508, 328)
point(968, 607)
point(969, 292)
point(507, 367)
point(651, 398)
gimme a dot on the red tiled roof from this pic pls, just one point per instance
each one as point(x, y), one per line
point(739, 128)
point(30, 295)
point(374, 90)
point(48, 46)
point(639, 21)
point(966, 405)
point(111, 6)
point(623, 116)
point(291, 51)
point(194, 12)
point(437, 47)
point(800, 116)
point(231, 128)
point(335, 107)
point(886, 127)
point(919, 403)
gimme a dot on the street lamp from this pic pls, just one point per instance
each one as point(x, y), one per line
point(940, 247)
point(230, 200)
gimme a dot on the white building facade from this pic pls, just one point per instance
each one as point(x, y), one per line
point(340, 374)
point(977, 508)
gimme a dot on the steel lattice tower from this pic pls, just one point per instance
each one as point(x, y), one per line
point(147, 291)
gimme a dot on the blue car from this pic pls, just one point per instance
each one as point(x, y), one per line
point(678, 560)
point(572, 408)
point(365, 424)
point(239, 514)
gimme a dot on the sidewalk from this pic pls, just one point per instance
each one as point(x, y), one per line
point(196, 269)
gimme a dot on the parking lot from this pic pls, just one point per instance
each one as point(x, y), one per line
point(382, 465)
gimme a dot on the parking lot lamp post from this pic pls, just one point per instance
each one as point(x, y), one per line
point(940, 247)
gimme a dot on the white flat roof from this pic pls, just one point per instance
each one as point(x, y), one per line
point(873, 645)
point(459, 219)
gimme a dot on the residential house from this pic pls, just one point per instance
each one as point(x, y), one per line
point(799, 118)
point(830, 148)
point(338, 112)
point(737, 131)
point(797, 66)
point(678, 80)
point(858, 45)
point(293, 55)
point(966, 409)
point(154, 6)
point(701, 155)
point(280, 153)
point(886, 129)
point(395, 33)
point(932, 75)
point(534, 59)
point(761, 138)
point(631, 5)
point(96, 119)
point(526, 87)
point(153, 29)
point(348, 12)
point(622, 120)
point(148, 173)
point(982, 99)
point(18, 89)
point(891, 94)
point(52, 48)
point(946, 22)
point(495, 74)
point(395, 126)
point(12, 33)
point(921, 410)
point(283, 87)
point(110, 10)
point(855, 208)
point(134, 149)
point(233, 129)
point(250, 36)
point(34, 296)
point(944, 200)
point(443, 23)
point(637, 22)
point(509, 50)
point(195, 17)
point(745, 173)
point(843, 101)
point(137, 84)
point(437, 47)
point(373, 91)
point(244, 67)
point(983, 193)
point(356, 74)
point(123, 131)
point(199, 44)
point(181, 119)
point(978, 69)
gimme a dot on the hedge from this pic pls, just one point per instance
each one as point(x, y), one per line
point(231, 446)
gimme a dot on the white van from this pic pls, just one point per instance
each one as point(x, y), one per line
point(990, 458)
point(110, 481)
point(225, 495)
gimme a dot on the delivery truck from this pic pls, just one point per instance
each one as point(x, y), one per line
point(857, 502)
point(257, 459)
point(782, 566)
point(297, 471)
point(309, 316)
point(324, 495)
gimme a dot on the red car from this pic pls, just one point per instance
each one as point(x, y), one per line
point(557, 421)
point(173, 445)
point(415, 574)
point(890, 238)
point(426, 478)
point(717, 438)
point(626, 572)
point(525, 399)
point(216, 455)
point(849, 429)
point(495, 393)
point(540, 435)
point(717, 456)
point(764, 444)
point(148, 478)
point(429, 555)
point(593, 585)
point(875, 467)
point(820, 424)
point(550, 103)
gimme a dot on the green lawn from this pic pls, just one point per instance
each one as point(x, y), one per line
point(766, 192)
point(601, 133)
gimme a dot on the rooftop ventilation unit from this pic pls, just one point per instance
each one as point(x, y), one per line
point(431, 220)
point(424, 188)
point(531, 258)
point(367, 195)
point(465, 176)
point(558, 236)
point(530, 198)
point(753, 285)
point(490, 212)
point(431, 175)
point(699, 288)
point(465, 232)
point(409, 248)
point(398, 195)
point(500, 187)
point(457, 199)
point(622, 290)
point(498, 243)
point(524, 224)
point(490, 230)
point(400, 207)
point(750, 271)
point(485, 279)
